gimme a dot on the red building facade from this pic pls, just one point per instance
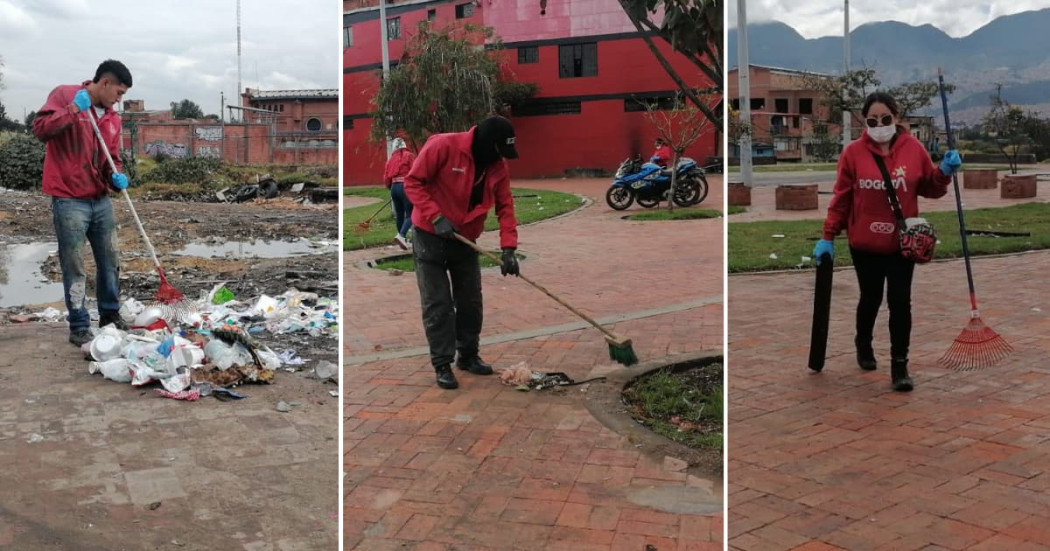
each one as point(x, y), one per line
point(587, 60)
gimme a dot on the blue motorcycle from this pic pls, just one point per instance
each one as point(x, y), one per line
point(650, 184)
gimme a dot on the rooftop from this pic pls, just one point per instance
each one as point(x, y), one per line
point(319, 93)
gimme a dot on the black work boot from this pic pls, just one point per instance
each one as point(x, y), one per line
point(112, 318)
point(445, 378)
point(865, 355)
point(899, 375)
point(80, 337)
point(474, 365)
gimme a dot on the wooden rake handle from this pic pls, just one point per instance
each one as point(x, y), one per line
point(539, 287)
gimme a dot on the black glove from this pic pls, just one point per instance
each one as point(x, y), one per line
point(443, 228)
point(510, 263)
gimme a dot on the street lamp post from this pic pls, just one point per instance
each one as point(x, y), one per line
point(744, 83)
point(847, 116)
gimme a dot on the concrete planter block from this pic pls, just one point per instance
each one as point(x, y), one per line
point(795, 197)
point(739, 195)
point(983, 178)
point(1018, 187)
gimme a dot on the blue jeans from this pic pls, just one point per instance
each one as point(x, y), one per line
point(91, 220)
point(402, 209)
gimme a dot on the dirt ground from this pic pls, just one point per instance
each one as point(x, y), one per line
point(171, 225)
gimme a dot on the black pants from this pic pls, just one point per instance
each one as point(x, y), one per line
point(449, 278)
point(894, 272)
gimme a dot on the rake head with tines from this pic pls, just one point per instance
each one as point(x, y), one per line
point(977, 347)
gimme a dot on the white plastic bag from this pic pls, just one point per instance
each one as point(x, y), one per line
point(118, 370)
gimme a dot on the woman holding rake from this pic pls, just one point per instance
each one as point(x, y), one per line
point(861, 205)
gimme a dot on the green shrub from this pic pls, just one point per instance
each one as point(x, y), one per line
point(192, 170)
point(21, 162)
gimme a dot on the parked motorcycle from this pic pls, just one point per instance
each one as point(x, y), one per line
point(650, 184)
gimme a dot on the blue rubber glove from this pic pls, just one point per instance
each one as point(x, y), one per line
point(120, 181)
point(951, 162)
point(823, 247)
point(81, 100)
point(165, 347)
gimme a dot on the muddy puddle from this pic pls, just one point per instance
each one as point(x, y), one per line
point(21, 280)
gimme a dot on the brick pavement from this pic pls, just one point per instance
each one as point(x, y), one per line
point(487, 467)
point(838, 461)
point(235, 475)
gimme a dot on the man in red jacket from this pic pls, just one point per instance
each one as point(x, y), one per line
point(78, 179)
point(663, 154)
point(454, 182)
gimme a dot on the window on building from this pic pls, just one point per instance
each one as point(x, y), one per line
point(432, 15)
point(535, 108)
point(780, 105)
point(529, 54)
point(348, 37)
point(794, 122)
point(280, 108)
point(735, 104)
point(805, 106)
point(393, 28)
point(348, 123)
point(464, 10)
point(578, 60)
point(758, 104)
point(313, 124)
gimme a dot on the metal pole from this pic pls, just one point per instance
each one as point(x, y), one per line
point(386, 60)
point(239, 90)
point(847, 116)
point(744, 80)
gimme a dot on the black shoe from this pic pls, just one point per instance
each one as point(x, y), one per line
point(112, 319)
point(865, 355)
point(80, 337)
point(445, 378)
point(899, 375)
point(474, 365)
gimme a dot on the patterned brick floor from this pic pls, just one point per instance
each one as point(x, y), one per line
point(487, 467)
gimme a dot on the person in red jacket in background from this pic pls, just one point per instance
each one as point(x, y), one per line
point(860, 205)
point(397, 168)
point(663, 154)
point(78, 179)
point(454, 182)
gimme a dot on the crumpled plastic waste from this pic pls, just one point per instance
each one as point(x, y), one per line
point(50, 314)
point(290, 357)
point(518, 374)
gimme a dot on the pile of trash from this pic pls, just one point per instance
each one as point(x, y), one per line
point(205, 347)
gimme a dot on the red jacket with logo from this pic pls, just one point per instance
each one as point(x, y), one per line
point(860, 204)
point(74, 165)
point(398, 166)
point(441, 181)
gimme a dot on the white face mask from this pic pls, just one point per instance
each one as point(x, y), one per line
point(882, 134)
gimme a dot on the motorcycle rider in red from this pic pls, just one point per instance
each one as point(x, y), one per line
point(663, 155)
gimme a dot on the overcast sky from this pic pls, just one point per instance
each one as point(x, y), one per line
point(816, 18)
point(175, 50)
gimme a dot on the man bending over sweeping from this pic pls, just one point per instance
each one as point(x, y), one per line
point(454, 182)
point(78, 179)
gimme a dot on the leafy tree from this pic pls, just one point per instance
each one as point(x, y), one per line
point(186, 109)
point(1038, 129)
point(443, 83)
point(29, 119)
point(21, 162)
point(7, 124)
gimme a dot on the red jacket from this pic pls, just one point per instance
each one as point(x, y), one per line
point(664, 155)
point(398, 166)
point(440, 183)
point(74, 165)
point(860, 204)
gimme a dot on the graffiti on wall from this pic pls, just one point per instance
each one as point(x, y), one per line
point(209, 133)
point(159, 147)
point(209, 151)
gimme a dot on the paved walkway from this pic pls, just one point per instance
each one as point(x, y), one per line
point(487, 467)
point(94, 465)
point(838, 461)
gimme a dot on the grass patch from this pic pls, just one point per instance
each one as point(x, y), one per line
point(684, 406)
point(407, 264)
point(736, 209)
point(751, 243)
point(677, 214)
point(529, 206)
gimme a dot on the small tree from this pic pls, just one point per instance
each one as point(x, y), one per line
point(680, 128)
point(29, 120)
point(825, 145)
point(1008, 127)
point(444, 83)
point(847, 92)
point(186, 109)
point(1038, 129)
point(22, 162)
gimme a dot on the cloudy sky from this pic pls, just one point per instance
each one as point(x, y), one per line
point(816, 18)
point(175, 50)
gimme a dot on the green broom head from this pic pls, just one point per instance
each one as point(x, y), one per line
point(621, 351)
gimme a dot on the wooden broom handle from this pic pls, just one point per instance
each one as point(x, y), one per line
point(541, 288)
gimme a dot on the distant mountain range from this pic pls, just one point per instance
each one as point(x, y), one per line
point(1013, 50)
